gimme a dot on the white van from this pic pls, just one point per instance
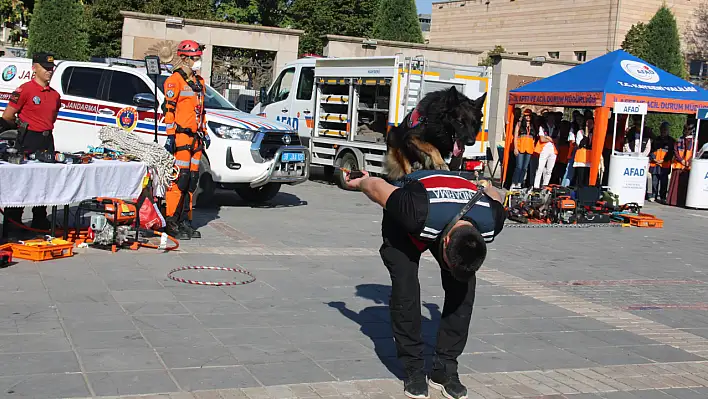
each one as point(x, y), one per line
point(247, 153)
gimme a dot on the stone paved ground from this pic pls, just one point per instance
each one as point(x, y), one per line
point(561, 313)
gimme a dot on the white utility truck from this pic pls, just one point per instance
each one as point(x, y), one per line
point(342, 108)
point(248, 154)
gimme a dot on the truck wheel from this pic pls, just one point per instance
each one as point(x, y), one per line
point(204, 195)
point(347, 161)
point(258, 194)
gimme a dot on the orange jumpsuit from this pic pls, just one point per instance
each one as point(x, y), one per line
point(184, 117)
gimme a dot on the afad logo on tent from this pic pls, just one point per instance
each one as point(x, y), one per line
point(640, 71)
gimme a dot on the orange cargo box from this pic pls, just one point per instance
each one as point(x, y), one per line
point(644, 220)
point(39, 250)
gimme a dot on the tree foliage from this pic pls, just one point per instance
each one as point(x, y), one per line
point(696, 35)
point(15, 15)
point(255, 12)
point(57, 26)
point(664, 51)
point(488, 61)
point(104, 25)
point(341, 17)
point(664, 43)
point(635, 42)
point(192, 9)
point(398, 20)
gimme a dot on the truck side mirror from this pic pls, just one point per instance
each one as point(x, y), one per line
point(263, 96)
point(146, 100)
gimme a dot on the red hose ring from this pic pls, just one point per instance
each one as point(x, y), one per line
point(212, 283)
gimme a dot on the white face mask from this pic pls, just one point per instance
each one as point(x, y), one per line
point(197, 65)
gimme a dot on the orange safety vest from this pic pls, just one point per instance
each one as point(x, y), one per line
point(526, 141)
point(659, 155)
point(582, 155)
point(683, 149)
point(540, 145)
point(184, 107)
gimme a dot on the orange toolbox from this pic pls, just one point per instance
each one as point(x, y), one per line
point(38, 250)
point(644, 220)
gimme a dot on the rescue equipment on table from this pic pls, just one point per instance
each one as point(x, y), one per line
point(61, 157)
point(11, 147)
point(159, 162)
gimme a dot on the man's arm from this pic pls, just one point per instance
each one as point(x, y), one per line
point(377, 189)
point(14, 106)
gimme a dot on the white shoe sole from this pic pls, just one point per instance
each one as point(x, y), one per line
point(441, 388)
point(416, 396)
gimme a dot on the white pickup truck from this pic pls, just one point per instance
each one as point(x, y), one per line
point(248, 153)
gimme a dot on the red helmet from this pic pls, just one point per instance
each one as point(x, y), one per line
point(189, 48)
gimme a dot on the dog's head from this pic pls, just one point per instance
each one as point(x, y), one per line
point(462, 119)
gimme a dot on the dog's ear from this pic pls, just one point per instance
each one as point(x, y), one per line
point(479, 103)
point(452, 98)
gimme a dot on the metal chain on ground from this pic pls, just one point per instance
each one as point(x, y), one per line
point(159, 161)
point(562, 226)
point(212, 283)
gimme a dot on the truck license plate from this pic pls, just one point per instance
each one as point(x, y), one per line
point(292, 157)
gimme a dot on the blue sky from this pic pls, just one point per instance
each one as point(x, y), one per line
point(424, 6)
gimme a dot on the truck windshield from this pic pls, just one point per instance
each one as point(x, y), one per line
point(212, 100)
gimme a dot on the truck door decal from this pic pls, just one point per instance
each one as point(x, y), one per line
point(294, 123)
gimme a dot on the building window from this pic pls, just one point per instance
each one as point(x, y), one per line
point(554, 54)
point(523, 53)
point(581, 56)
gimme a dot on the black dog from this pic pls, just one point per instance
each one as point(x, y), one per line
point(441, 125)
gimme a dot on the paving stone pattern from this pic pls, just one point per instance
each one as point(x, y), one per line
point(315, 323)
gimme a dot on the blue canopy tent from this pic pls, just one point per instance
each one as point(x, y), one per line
point(615, 77)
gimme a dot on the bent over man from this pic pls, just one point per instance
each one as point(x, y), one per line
point(184, 117)
point(454, 219)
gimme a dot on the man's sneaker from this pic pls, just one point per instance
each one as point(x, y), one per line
point(449, 384)
point(415, 386)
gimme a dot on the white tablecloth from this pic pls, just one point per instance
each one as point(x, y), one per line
point(45, 184)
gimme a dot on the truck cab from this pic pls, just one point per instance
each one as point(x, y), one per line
point(248, 154)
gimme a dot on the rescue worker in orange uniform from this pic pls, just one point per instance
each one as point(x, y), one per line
point(187, 136)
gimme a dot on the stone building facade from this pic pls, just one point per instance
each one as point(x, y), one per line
point(572, 30)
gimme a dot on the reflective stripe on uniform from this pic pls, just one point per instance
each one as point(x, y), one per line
point(195, 161)
point(183, 164)
point(170, 125)
point(186, 93)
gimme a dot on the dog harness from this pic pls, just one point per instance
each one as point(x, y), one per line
point(448, 194)
point(415, 119)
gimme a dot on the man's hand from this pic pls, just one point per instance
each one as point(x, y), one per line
point(354, 183)
point(207, 140)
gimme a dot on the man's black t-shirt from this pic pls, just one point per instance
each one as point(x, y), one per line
point(407, 209)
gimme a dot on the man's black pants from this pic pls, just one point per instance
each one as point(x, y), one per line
point(402, 260)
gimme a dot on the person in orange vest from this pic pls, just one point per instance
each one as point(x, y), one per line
point(186, 130)
point(524, 138)
point(660, 163)
point(582, 162)
point(546, 149)
point(683, 153)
